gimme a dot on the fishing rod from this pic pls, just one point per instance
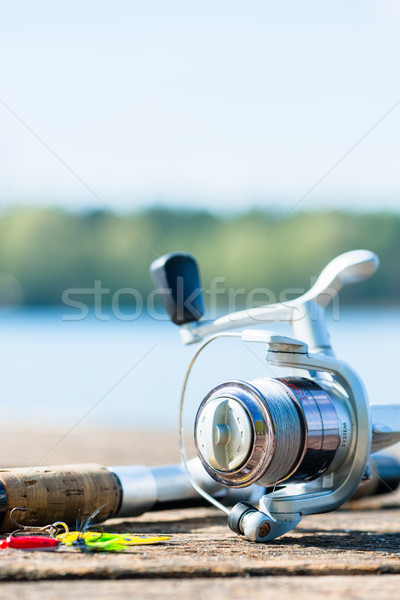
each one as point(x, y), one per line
point(63, 492)
point(274, 448)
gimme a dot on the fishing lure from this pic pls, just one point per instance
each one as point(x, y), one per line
point(97, 541)
point(32, 538)
point(118, 539)
point(50, 538)
point(29, 542)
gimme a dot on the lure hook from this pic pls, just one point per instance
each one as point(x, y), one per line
point(50, 530)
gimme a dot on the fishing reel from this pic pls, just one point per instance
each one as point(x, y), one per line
point(306, 437)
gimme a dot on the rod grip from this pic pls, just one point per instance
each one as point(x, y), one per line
point(57, 493)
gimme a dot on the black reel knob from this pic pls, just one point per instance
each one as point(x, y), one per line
point(177, 279)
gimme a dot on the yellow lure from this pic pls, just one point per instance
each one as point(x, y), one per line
point(119, 539)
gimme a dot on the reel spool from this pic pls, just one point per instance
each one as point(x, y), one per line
point(271, 430)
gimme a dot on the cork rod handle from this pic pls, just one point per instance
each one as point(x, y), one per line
point(57, 493)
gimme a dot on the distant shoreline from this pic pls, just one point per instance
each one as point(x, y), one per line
point(47, 255)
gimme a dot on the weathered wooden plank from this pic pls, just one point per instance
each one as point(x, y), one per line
point(346, 542)
point(366, 587)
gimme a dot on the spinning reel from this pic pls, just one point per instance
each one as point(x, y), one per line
point(307, 437)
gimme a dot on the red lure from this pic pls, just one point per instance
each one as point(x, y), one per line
point(29, 542)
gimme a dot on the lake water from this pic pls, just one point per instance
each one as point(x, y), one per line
point(129, 374)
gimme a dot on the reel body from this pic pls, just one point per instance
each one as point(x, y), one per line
point(307, 437)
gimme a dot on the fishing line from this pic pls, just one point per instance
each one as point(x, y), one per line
point(195, 485)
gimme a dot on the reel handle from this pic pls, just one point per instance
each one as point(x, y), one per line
point(350, 267)
point(177, 279)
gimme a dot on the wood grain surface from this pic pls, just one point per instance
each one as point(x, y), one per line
point(352, 553)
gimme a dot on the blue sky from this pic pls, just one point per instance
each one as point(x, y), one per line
point(212, 103)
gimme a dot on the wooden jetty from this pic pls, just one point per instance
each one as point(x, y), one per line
point(351, 553)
